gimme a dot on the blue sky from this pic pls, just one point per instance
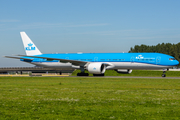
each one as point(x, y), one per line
point(86, 26)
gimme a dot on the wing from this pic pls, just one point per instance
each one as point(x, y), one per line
point(18, 58)
point(74, 62)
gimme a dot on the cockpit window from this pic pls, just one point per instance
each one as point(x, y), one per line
point(172, 59)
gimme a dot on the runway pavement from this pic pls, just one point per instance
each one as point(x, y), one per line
point(128, 77)
point(91, 76)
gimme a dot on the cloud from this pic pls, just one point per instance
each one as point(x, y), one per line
point(87, 25)
point(116, 32)
point(39, 25)
point(9, 20)
point(45, 25)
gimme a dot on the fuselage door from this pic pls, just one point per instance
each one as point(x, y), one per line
point(132, 59)
point(41, 60)
point(95, 59)
point(158, 60)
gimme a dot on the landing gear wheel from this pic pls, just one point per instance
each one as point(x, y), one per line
point(98, 74)
point(163, 75)
point(82, 74)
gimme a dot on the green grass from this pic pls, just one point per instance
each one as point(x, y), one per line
point(89, 98)
point(144, 73)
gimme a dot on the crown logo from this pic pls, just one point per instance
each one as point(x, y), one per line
point(30, 44)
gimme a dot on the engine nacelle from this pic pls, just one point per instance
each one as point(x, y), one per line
point(124, 71)
point(96, 68)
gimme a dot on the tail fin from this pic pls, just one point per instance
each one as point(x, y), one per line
point(29, 46)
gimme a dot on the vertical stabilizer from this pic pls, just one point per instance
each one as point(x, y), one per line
point(29, 46)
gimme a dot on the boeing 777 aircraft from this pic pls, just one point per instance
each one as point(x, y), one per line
point(95, 63)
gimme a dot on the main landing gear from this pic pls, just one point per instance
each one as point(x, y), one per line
point(82, 74)
point(87, 74)
point(98, 74)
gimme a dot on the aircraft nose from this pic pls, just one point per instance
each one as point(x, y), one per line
point(176, 62)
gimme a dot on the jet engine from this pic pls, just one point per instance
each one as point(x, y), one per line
point(96, 68)
point(124, 71)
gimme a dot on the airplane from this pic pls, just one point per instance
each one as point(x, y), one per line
point(95, 63)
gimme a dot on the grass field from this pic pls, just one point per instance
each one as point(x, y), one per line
point(89, 98)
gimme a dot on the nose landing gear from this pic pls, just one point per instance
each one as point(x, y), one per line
point(164, 71)
point(164, 75)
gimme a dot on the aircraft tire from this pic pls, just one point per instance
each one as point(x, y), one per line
point(98, 74)
point(163, 75)
point(82, 74)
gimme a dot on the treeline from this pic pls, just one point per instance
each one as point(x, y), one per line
point(166, 48)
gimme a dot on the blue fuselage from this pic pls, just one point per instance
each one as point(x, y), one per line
point(117, 60)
